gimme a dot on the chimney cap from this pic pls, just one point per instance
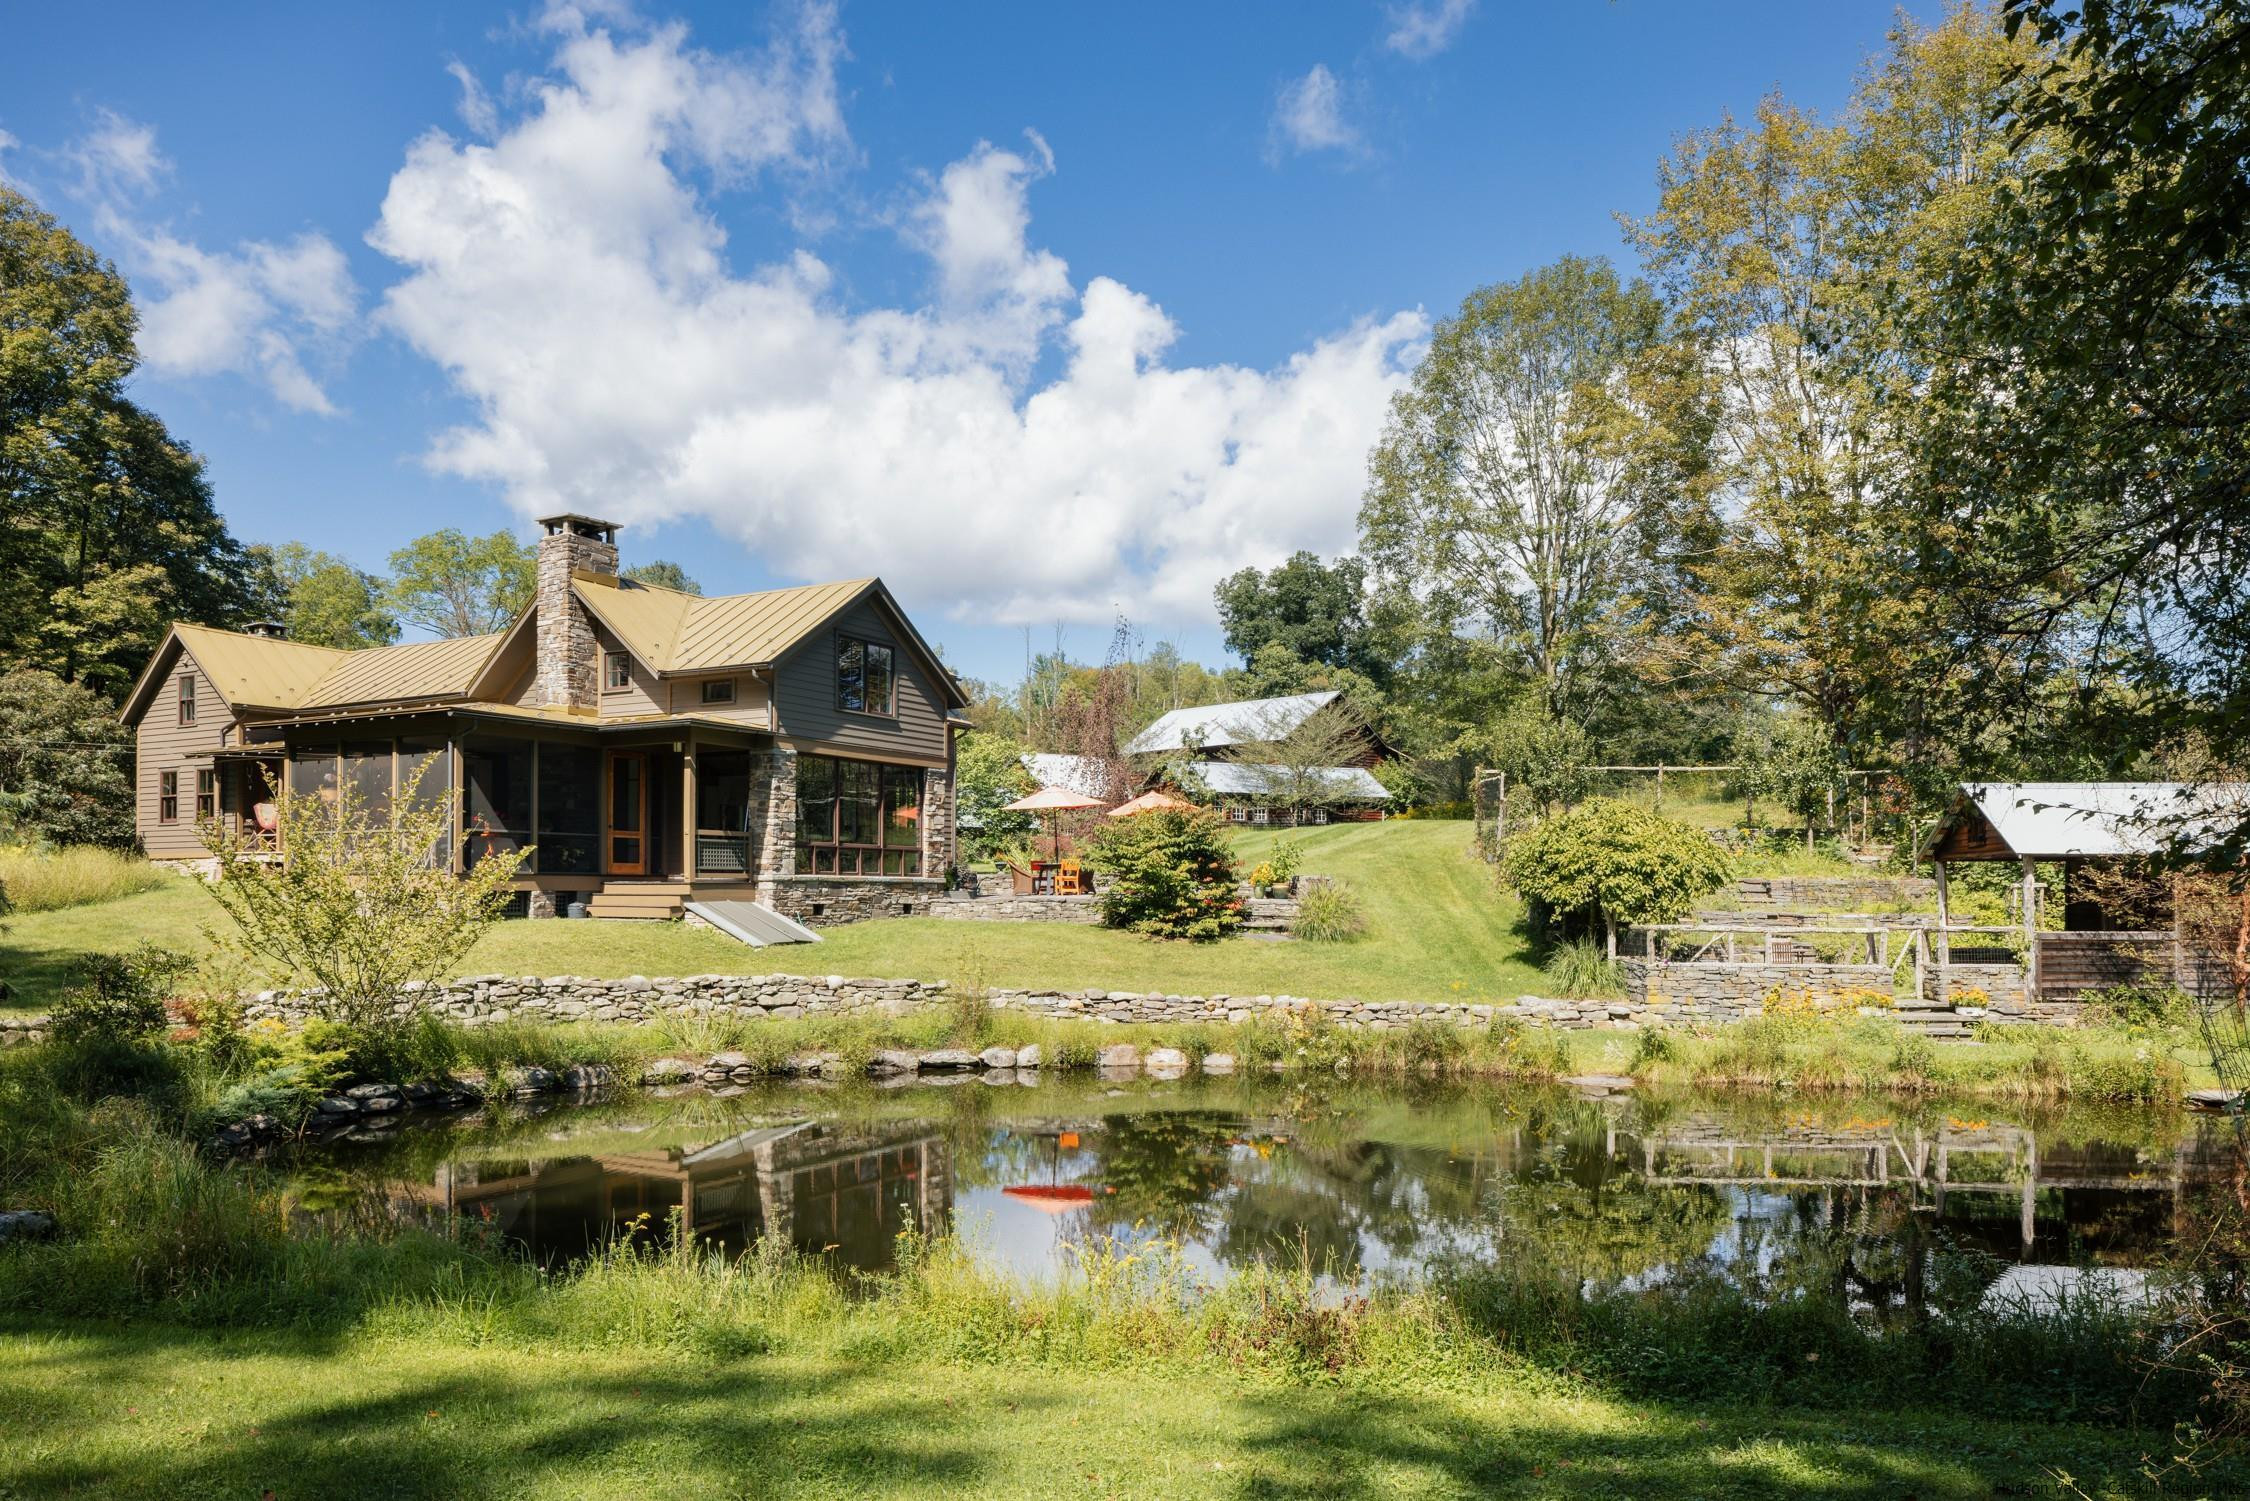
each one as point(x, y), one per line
point(270, 630)
point(576, 525)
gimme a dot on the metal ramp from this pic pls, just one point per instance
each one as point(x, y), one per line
point(753, 923)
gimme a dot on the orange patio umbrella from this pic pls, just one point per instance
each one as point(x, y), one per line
point(1157, 801)
point(1051, 801)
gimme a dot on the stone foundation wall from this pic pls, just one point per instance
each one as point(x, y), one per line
point(2003, 986)
point(1730, 992)
point(1066, 909)
point(825, 901)
point(1833, 891)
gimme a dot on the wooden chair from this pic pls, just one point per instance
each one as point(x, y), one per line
point(1070, 879)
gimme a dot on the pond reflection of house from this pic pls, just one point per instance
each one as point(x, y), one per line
point(841, 1189)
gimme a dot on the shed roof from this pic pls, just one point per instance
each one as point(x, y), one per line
point(2095, 820)
point(1244, 722)
point(1254, 779)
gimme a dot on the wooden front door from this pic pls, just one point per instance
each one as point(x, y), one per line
point(625, 822)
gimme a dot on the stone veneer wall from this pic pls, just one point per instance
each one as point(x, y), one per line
point(2003, 985)
point(1833, 891)
point(1724, 992)
point(843, 899)
point(1065, 909)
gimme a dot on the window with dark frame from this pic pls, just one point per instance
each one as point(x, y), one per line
point(617, 670)
point(720, 691)
point(206, 795)
point(866, 677)
point(187, 698)
point(858, 818)
point(167, 797)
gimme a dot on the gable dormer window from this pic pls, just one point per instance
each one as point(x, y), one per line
point(865, 680)
point(187, 698)
point(720, 691)
point(617, 670)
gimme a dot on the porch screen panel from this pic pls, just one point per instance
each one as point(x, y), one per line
point(312, 771)
point(367, 771)
point(570, 809)
point(722, 812)
point(427, 756)
point(495, 795)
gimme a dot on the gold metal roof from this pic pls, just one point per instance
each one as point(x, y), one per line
point(394, 674)
point(268, 672)
point(674, 632)
point(262, 672)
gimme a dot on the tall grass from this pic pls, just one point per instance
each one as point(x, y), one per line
point(47, 880)
point(1581, 970)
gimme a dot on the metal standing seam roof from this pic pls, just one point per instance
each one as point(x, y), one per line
point(1243, 722)
point(675, 632)
point(1252, 779)
point(261, 671)
point(2058, 820)
point(394, 674)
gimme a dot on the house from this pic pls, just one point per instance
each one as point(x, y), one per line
point(1241, 752)
point(793, 747)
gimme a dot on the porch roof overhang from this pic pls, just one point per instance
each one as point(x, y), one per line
point(519, 715)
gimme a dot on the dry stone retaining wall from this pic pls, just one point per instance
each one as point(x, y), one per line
point(1833, 891)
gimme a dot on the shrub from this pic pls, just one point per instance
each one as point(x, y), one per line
point(2140, 1008)
point(1169, 874)
point(1580, 970)
point(1330, 913)
point(119, 998)
point(46, 880)
point(1610, 862)
point(1286, 858)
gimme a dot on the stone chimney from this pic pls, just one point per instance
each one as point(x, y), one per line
point(569, 674)
point(267, 630)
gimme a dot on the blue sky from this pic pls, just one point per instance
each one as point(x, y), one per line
point(1043, 313)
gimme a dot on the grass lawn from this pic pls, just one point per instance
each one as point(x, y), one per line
point(155, 1411)
point(1440, 929)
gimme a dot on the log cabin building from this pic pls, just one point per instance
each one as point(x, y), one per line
point(793, 747)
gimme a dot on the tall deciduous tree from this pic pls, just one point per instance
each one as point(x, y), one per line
point(663, 575)
point(110, 527)
point(1316, 610)
point(325, 600)
point(66, 763)
point(453, 584)
point(1504, 488)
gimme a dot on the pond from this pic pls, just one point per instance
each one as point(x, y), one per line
point(1362, 1182)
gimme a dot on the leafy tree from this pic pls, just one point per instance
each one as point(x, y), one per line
point(1611, 863)
point(1549, 761)
point(112, 528)
point(66, 763)
point(326, 601)
point(988, 773)
point(663, 575)
point(2087, 360)
point(1504, 489)
point(1169, 874)
point(366, 902)
point(1316, 611)
point(456, 585)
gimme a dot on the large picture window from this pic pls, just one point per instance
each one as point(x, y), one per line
point(866, 682)
point(858, 818)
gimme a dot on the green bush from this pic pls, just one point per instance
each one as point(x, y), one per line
point(1581, 970)
point(1168, 874)
point(1608, 861)
point(46, 880)
point(119, 998)
point(1330, 913)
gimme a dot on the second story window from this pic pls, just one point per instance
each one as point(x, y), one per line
point(720, 692)
point(187, 698)
point(617, 670)
point(865, 681)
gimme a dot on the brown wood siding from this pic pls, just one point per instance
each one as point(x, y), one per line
point(644, 695)
point(805, 694)
point(749, 706)
point(163, 744)
point(1971, 837)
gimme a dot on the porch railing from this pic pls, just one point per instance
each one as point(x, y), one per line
point(719, 853)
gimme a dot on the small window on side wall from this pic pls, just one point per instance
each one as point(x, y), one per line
point(617, 670)
point(719, 692)
point(187, 698)
point(167, 797)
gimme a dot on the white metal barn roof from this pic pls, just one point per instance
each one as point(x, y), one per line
point(1080, 774)
point(1243, 722)
point(1248, 779)
point(2061, 820)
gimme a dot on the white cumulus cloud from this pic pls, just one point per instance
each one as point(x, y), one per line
point(1015, 442)
point(1423, 31)
point(258, 309)
point(1308, 115)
